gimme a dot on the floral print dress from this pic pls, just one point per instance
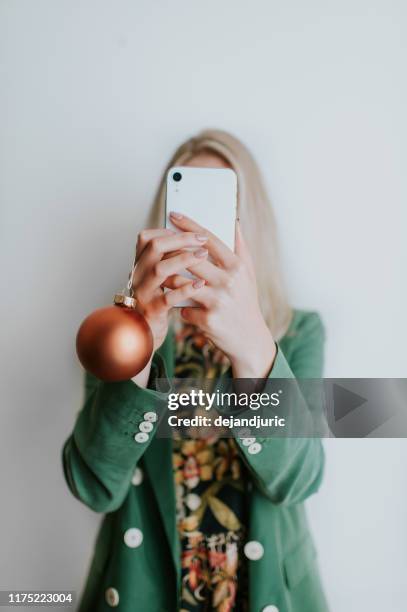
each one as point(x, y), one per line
point(210, 482)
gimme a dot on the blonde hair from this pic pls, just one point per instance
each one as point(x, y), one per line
point(256, 218)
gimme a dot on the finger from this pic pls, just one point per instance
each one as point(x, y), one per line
point(242, 250)
point(172, 298)
point(217, 249)
point(172, 253)
point(175, 281)
point(164, 268)
point(173, 265)
point(205, 296)
point(158, 246)
point(212, 274)
point(146, 235)
point(195, 316)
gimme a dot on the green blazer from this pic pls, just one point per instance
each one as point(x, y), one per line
point(136, 561)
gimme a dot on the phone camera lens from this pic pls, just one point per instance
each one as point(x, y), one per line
point(177, 176)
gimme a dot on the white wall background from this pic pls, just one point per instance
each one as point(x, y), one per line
point(94, 97)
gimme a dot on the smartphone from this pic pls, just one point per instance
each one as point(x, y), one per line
point(206, 195)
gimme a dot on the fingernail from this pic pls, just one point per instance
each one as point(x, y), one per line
point(176, 215)
point(201, 253)
point(201, 237)
point(197, 284)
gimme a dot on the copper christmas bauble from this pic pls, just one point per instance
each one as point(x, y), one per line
point(114, 343)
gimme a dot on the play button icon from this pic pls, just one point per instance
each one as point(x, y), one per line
point(345, 401)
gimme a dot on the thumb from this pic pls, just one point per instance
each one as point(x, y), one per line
point(240, 245)
point(241, 248)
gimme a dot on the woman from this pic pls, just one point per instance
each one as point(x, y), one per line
point(209, 524)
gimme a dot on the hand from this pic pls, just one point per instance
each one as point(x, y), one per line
point(157, 257)
point(229, 313)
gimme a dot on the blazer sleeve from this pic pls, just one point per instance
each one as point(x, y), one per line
point(287, 470)
point(101, 454)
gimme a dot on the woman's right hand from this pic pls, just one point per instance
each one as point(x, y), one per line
point(158, 257)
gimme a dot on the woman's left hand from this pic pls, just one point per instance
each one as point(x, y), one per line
point(229, 313)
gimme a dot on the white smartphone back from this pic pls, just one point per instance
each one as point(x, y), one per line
point(206, 195)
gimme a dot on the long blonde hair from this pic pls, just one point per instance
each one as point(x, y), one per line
point(256, 219)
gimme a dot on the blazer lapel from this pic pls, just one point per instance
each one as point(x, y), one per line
point(158, 464)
